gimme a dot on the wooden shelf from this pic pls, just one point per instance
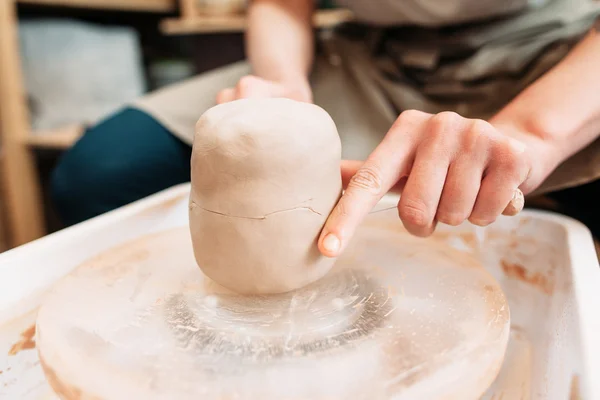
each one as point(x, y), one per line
point(237, 23)
point(59, 139)
point(125, 5)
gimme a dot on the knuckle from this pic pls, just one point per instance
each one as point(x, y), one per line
point(481, 127)
point(510, 152)
point(410, 118)
point(517, 159)
point(481, 220)
point(368, 178)
point(340, 211)
point(447, 118)
point(510, 163)
point(451, 218)
point(443, 122)
point(414, 213)
point(410, 115)
point(478, 137)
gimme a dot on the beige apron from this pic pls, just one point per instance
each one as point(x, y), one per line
point(361, 113)
point(365, 76)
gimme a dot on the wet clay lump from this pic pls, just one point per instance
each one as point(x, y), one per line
point(265, 176)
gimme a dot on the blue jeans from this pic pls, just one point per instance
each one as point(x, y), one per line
point(124, 158)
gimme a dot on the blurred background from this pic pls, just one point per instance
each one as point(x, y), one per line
point(65, 64)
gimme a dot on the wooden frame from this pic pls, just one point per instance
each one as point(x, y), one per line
point(23, 217)
point(124, 5)
point(193, 22)
point(22, 200)
point(58, 139)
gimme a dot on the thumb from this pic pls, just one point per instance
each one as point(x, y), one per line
point(255, 87)
point(226, 95)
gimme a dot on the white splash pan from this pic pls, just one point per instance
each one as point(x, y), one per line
point(545, 263)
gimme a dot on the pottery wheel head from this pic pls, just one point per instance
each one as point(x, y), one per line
point(337, 311)
point(396, 318)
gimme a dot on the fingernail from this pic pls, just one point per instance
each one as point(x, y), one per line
point(331, 243)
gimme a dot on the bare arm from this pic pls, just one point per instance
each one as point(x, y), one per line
point(560, 113)
point(280, 47)
point(280, 39)
point(452, 168)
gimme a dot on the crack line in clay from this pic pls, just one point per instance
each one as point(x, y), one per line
point(193, 204)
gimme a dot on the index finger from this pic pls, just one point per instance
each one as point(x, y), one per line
point(351, 167)
point(374, 178)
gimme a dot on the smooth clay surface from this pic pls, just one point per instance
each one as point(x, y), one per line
point(265, 176)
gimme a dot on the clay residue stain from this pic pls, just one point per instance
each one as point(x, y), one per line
point(519, 272)
point(470, 239)
point(63, 390)
point(488, 288)
point(524, 221)
point(575, 389)
point(517, 242)
point(26, 342)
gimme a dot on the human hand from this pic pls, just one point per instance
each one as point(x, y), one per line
point(251, 86)
point(448, 168)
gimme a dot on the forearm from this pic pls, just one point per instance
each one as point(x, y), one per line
point(279, 40)
point(560, 112)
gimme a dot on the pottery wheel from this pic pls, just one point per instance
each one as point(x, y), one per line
point(397, 318)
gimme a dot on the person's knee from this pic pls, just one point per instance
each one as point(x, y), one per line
point(80, 183)
point(84, 181)
point(126, 157)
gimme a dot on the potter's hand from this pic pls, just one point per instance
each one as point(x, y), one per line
point(251, 86)
point(448, 168)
